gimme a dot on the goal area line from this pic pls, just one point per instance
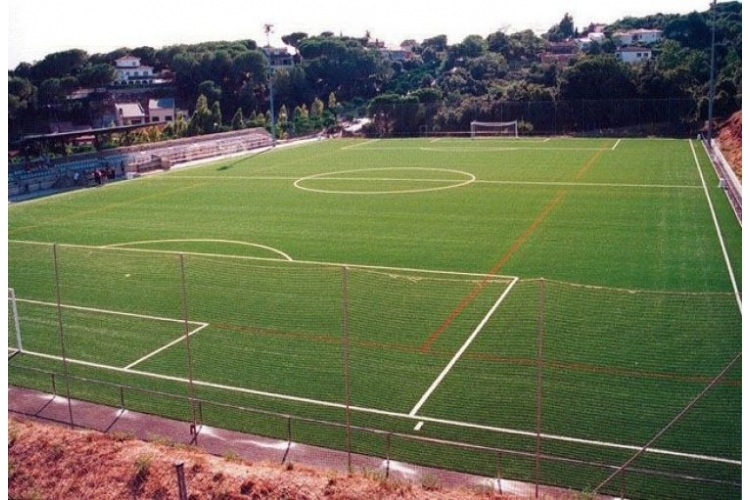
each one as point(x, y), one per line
point(198, 326)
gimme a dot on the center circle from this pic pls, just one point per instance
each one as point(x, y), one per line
point(398, 183)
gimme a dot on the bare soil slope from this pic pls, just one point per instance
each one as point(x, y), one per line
point(730, 138)
point(48, 461)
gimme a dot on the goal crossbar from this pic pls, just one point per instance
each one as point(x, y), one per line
point(494, 129)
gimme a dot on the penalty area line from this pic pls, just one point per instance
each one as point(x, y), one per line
point(461, 351)
point(166, 346)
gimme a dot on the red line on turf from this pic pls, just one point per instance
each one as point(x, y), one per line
point(523, 238)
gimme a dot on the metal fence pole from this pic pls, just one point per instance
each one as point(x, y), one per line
point(182, 487)
point(499, 474)
point(345, 334)
point(539, 374)
point(60, 331)
point(186, 323)
point(387, 454)
point(288, 438)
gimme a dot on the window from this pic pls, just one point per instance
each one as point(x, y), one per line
point(154, 118)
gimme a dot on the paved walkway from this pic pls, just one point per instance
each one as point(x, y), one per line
point(28, 403)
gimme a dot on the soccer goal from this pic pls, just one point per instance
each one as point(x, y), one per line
point(494, 129)
point(14, 325)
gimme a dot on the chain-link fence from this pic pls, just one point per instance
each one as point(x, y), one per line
point(627, 392)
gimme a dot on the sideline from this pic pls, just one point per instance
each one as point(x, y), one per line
point(737, 294)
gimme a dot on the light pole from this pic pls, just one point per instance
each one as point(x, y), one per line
point(268, 29)
point(712, 83)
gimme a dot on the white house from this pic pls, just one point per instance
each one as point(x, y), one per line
point(585, 43)
point(644, 36)
point(131, 72)
point(633, 55)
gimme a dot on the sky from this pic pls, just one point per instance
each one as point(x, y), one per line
point(37, 28)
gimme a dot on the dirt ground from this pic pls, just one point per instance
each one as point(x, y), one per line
point(47, 461)
point(730, 138)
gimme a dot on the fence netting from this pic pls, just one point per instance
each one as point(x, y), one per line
point(540, 381)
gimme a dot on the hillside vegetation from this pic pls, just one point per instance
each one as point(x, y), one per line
point(436, 87)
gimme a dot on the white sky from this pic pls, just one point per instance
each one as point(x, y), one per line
point(40, 27)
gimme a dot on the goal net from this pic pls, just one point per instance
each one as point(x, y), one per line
point(494, 129)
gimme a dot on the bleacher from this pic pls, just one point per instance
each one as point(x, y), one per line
point(60, 173)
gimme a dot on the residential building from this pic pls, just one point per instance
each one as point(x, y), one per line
point(279, 57)
point(131, 72)
point(161, 110)
point(585, 43)
point(129, 113)
point(560, 53)
point(642, 36)
point(633, 55)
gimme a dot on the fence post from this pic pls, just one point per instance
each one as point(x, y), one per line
point(288, 438)
point(345, 335)
point(181, 486)
point(60, 331)
point(499, 474)
point(539, 370)
point(186, 323)
point(387, 454)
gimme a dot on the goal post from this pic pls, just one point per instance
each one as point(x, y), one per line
point(494, 129)
point(14, 325)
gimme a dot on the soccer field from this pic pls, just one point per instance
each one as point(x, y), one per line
point(537, 309)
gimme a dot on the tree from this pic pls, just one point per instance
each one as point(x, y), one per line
point(438, 43)
point(498, 42)
point(599, 77)
point(394, 115)
point(341, 65)
point(21, 101)
point(294, 39)
point(60, 65)
point(238, 122)
point(202, 121)
point(97, 75)
point(562, 31)
point(216, 120)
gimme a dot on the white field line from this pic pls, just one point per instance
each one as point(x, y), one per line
point(375, 411)
point(200, 325)
point(616, 144)
point(266, 259)
point(352, 146)
point(463, 348)
point(119, 247)
point(590, 184)
point(728, 262)
point(108, 311)
point(477, 181)
point(484, 149)
point(201, 240)
point(382, 179)
point(179, 339)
